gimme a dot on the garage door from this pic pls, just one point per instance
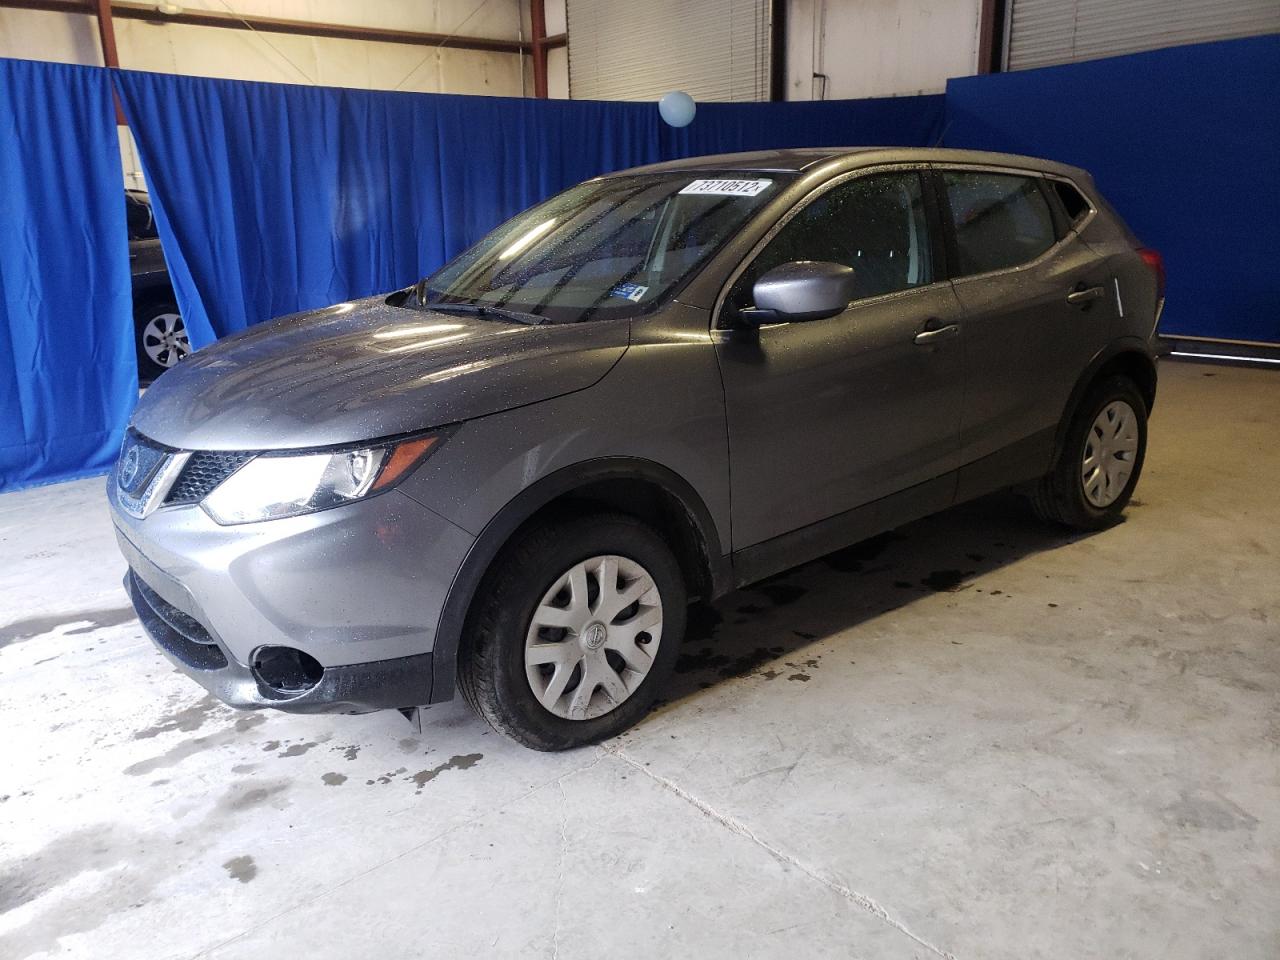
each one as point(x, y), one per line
point(712, 49)
point(1045, 32)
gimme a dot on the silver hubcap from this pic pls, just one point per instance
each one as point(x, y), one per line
point(593, 637)
point(1109, 452)
point(164, 339)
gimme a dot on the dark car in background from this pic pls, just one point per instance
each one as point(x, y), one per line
point(160, 335)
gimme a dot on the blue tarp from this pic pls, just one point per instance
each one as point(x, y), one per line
point(68, 374)
point(273, 198)
point(1183, 142)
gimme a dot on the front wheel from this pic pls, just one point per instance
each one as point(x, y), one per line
point(574, 630)
point(1101, 459)
point(162, 339)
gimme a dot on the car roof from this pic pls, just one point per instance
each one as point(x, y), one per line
point(797, 160)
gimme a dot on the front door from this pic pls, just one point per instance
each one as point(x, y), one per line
point(827, 415)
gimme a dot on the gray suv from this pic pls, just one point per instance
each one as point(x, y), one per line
point(513, 477)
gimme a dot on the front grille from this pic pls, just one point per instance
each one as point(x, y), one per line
point(180, 634)
point(204, 470)
point(139, 462)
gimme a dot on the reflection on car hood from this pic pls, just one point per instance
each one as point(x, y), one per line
point(362, 370)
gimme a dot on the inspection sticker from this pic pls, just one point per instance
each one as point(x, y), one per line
point(632, 291)
point(727, 188)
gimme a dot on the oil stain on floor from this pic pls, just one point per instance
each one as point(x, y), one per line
point(241, 868)
point(464, 762)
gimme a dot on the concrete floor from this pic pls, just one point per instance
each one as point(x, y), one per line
point(972, 738)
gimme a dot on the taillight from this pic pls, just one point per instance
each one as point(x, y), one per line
point(1153, 260)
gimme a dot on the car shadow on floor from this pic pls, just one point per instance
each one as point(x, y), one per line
point(761, 628)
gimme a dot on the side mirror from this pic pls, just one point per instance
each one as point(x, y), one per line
point(800, 290)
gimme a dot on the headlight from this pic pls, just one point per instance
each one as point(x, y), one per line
point(275, 485)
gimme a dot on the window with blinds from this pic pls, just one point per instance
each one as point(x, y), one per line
point(1045, 32)
point(629, 50)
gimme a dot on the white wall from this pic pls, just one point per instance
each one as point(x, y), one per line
point(879, 48)
point(867, 48)
point(284, 58)
point(558, 73)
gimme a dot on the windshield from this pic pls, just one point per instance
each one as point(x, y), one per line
point(603, 249)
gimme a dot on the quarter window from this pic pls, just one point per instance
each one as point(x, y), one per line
point(1073, 203)
point(1001, 220)
point(874, 224)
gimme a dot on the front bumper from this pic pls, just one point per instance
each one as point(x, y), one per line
point(350, 688)
point(357, 588)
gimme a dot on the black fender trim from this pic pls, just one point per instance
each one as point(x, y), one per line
point(1116, 348)
point(528, 502)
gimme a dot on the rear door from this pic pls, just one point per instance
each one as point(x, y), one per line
point(830, 414)
point(1035, 298)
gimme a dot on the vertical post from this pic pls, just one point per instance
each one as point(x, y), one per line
point(107, 36)
point(538, 23)
point(778, 49)
point(991, 36)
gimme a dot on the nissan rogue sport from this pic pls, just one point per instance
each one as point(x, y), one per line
point(512, 478)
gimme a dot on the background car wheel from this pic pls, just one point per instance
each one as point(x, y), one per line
point(162, 339)
point(573, 632)
point(1101, 460)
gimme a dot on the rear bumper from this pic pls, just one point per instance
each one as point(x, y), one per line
point(348, 688)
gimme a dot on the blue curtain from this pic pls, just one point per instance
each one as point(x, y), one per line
point(273, 198)
point(68, 375)
point(881, 122)
point(1183, 142)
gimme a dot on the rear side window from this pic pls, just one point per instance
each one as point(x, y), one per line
point(1002, 220)
point(1073, 202)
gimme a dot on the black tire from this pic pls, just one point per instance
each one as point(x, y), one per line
point(1060, 497)
point(143, 314)
point(491, 668)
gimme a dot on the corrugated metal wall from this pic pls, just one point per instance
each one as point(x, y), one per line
point(628, 50)
point(1046, 32)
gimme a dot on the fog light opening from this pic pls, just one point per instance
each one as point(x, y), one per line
point(285, 671)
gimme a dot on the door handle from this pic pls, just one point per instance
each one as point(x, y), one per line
point(925, 337)
point(1083, 295)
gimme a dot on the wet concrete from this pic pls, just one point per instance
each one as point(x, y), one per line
point(974, 737)
point(68, 624)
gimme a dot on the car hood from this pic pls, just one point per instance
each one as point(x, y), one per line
point(362, 370)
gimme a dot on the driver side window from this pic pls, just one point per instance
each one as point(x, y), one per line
point(874, 224)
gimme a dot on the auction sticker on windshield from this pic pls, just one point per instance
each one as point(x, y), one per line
point(727, 188)
point(632, 291)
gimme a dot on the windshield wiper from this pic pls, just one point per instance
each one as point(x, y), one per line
point(486, 310)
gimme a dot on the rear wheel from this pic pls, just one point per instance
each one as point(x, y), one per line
point(574, 631)
point(1101, 459)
